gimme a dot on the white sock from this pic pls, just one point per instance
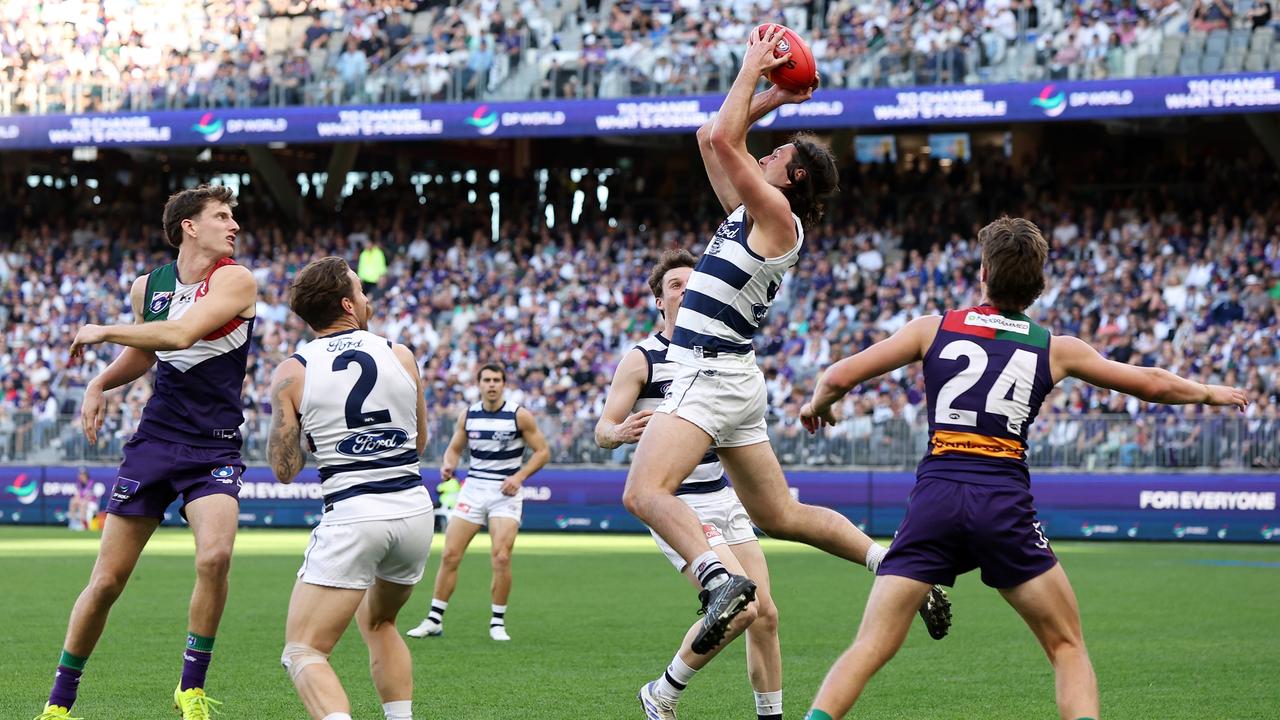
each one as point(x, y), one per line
point(875, 554)
point(337, 716)
point(437, 610)
point(769, 704)
point(398, 710)
point(499, 617)
point(674, 680)
point(709, 571)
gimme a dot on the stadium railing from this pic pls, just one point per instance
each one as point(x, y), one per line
point(1076, 442)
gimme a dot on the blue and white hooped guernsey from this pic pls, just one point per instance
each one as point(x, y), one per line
point(728, 298)
point(709, 475)
point(359, 415)
point(495, 441)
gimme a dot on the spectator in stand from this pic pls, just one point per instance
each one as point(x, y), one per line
point(1210, 15)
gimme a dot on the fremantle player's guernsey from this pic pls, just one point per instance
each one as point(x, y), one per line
point(986, 375)
point(708, 476)
point(495, 442)
point(360, 419)
point(196, 398)
point(728, 298)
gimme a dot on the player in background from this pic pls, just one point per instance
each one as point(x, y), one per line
point(497, 432)
point(193, 321)
point(718, 398)
point(639, 384)
point(357, 399)
point(987, 370)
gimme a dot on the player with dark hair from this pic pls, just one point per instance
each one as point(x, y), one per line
point(639, 385)
point(717, 398)
point(357, 399)
point(193, 320)
point(497, 432)
point(987, 370)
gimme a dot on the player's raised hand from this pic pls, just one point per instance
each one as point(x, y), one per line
point(630, 430)
point(812, 419)
point(92, 412)
point(791, 97)
point(1224, 395)
point(760, 58)
point(87, 335)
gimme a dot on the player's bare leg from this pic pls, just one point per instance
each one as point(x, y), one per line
point(890, 608)
point(213, 520)
point(389, 661)
point(457, 538)
point(318, 616)
point(502, 536)
point(1048, 605)
point(764, 652)
point(757, 478)
point(668, 452)
point(123, 539)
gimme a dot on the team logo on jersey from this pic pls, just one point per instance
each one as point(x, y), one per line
point(124, 489)
point(160, 302)
point(504, 436)
point(759, 311)
point(665, 388)
point(224, 474)
point(371, 442)
point(716, 243)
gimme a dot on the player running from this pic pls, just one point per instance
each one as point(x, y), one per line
point(638, 387)
point(193, 321)
point(357, 399)
point(717, 397)
point(497, 432)
point(987, 370)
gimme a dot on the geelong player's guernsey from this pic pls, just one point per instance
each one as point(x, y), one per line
point(196, 399)
point(495, 441)
point(728, 298)
point(708, 476)
point(986, 375)
point(360, 419)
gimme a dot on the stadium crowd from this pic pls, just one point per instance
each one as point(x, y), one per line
point(1187, 279)
point(99, 55)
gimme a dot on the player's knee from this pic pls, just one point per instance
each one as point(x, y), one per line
point(634, 500)
point(450, 559)
point(766, 618)
point(213, 562)
point(106, 585)
point(501, 559)
point(298, 657)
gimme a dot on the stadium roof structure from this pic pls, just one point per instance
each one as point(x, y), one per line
point(869, 108)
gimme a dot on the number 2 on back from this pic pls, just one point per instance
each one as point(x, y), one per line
point(1018, 376)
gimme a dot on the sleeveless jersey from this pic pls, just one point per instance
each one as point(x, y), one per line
point(196, 399)
point(727, 299)
point(709, 475)
point(986, 374)
point(359, 415)
point(495, 441)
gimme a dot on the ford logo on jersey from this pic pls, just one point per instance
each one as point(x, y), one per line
point(371, 442)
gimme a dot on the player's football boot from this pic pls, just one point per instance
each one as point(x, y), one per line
point(499, 633)
point(194, 704)
point(56, 712)
point(655, 708)
point(427, 628)
point(936, 612)
point(719, 607)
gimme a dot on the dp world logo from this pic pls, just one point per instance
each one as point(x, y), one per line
point(24, 488)
point(484, 120)
point(1051, 101)
point(211, 129)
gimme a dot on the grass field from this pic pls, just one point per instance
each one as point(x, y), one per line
point(1175, 630)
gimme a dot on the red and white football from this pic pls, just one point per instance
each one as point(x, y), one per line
point(800, 72)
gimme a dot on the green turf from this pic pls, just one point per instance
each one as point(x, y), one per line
point(594, 617)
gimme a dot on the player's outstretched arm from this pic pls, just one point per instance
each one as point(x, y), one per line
point(762, 104)
point(232, 293)
point(284, 449)
point(1073, 357)
point(768, 207)
point(128, 366)
point(405, 356)
point(904, 347)
point(453, 453)
point(615, 427)
point(537, 442)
